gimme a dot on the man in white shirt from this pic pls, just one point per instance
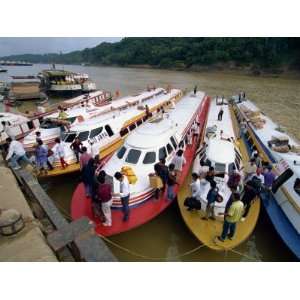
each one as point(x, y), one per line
point(124, 194)
point(179, 161)
point(16, 152)
point(194, 202)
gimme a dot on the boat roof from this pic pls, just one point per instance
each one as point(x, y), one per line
point(57, 72)
point(114, 111)
point(155, 134)
point(225, 125)
point(220, 151)
point(270, 130)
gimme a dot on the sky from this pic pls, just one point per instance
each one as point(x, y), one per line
point(41, 45)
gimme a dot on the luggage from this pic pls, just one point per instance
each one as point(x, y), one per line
point(155, 181)
point(192, 203)
point(128, 172)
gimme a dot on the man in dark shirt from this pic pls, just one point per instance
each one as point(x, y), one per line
point(76, 147)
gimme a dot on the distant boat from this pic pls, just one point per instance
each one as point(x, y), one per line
point(24, 77)
point(65, 83)
point(3, 70)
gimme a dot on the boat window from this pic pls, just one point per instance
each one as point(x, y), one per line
point(123, 132)
point(133, 156)
point(281, 179)
point(208, 162)
point(237, 162)
point(169, 148)
point(238, 154)
point(109, 130)
point(69, 137)
point(83, 136)
point(297, 186)
point(95, 132)
point(132, 127)
point(30, 125)
point(162, 153)
point(149, 158)
point(220, 168)
point(145, 118)
point(139, 122)
point(121, 152)
point(231, 166)
point(181, 144)
point(47, 124)
point(173, 142)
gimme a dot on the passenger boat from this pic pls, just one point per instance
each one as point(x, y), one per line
point(79, 109)
point(105, 133)
point(14, 125)
point(159, 138)
point(219, 148)
point(283, 152)
point(32, 121)
point(62, 82)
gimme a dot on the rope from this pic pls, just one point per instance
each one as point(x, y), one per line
point(133, 253)
point(243, 255)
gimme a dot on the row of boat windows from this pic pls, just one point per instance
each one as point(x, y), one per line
point(84, 135)
point(134, 155)
point(219, 167)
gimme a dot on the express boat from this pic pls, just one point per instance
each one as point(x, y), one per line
point(283, 152)
point(158, 138)
point(220, 149)
point(105, 133)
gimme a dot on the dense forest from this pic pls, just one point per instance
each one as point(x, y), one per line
point(182, 53)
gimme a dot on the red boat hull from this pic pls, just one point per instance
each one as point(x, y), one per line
point(146, 211)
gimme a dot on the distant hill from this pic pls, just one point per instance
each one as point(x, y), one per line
point(182, 53)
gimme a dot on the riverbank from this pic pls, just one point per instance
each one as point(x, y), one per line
point(29, 244)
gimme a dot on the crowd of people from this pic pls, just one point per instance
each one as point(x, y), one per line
point(258, 178)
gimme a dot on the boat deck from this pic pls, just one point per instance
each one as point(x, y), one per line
point(207, 231)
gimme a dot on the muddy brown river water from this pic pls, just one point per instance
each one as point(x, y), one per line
point(167, 236)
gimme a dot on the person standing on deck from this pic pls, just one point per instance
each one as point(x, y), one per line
point(76, 147)
point(124, 194)
point(194, 202)
point(162, 171)
point(269, 177)
point(220, 114)
point(16, 152)
point(195, 90)
point(41, 155)
point(178, 161)
point(88, 173)
point(233, 216)
point(84, 157)
point(62, 115)
point(104, 192)
point(38, 136)
point(250, 169)
point(211, 199)
point(59, 152)
point(171, 181)
point(234, 179)
point(203, 170)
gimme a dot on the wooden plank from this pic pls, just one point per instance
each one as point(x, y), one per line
point(67, 234)
point(80, 233)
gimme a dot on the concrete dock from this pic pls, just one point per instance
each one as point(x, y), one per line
point(30, 243)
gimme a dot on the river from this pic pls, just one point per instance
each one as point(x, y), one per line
point(167, 236)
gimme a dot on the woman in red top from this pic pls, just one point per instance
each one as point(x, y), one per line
point(105, 198)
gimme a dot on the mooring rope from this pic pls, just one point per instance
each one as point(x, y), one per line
point(136, 254)
point(149, 257)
